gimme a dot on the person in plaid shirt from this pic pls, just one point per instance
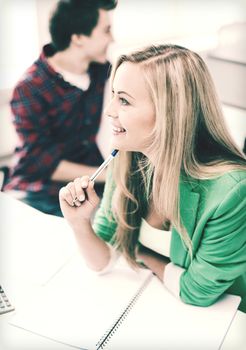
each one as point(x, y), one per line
point(57, 105)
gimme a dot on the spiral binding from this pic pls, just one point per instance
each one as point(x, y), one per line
point(104, 340)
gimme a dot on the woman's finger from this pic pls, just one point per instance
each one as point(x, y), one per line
point(92, 195)
point(80, 194)
point(71, 187)
point(66, 196)
point(84, 181)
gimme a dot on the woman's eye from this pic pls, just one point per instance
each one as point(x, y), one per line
point(123, 101)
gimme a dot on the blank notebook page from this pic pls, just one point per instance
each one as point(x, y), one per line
point(160, 321)
point(78, 306)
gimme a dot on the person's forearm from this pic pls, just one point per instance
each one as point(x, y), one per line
point(68, 171)
point(155, 262)
point(157, 266)
point(95, 251)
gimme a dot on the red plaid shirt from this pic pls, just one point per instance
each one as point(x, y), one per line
point(54, 121)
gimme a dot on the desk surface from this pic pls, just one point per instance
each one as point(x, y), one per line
point(33, 248)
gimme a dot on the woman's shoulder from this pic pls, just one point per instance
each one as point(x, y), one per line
point(227, 180)
point(237, 176)
point(215, 197)
point(212, 192)
point(228, 187)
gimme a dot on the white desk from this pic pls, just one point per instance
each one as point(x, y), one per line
point(33, 248)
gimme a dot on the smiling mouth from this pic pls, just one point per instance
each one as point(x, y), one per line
point(117, 131)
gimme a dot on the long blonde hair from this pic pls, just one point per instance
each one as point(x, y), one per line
point(189, 137)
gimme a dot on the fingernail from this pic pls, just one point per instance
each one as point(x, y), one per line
point(84, 184)
point(81, 198)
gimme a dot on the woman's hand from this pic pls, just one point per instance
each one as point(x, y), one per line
point(78, 200)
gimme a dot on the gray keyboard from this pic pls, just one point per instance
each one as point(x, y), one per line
point(5, 305)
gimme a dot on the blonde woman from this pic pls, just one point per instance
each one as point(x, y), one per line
point(176, 196)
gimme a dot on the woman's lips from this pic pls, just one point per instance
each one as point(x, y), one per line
point(118, 130)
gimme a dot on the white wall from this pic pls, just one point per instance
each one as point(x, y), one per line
point(193, 23)
point(44, 10)
point(19, 39)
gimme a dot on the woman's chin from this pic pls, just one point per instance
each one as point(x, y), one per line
point(120, 145)
point(124, 148)
point(117, 146)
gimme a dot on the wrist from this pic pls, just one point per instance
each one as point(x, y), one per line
point(83, 224)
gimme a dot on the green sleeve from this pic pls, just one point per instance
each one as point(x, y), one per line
point(221, 257)
point(104, 224)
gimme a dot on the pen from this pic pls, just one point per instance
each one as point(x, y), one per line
point(104, 164)
point(99, 170)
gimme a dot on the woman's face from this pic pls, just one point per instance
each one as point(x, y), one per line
point(130, 110)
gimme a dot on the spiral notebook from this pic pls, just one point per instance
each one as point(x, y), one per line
point(124, 309)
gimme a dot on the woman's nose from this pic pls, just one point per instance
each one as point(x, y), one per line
point(111, 116)
point(110, 112)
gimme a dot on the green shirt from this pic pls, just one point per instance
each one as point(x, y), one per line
point(214, 215)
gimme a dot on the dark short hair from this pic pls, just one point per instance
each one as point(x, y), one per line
point(75, 17)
